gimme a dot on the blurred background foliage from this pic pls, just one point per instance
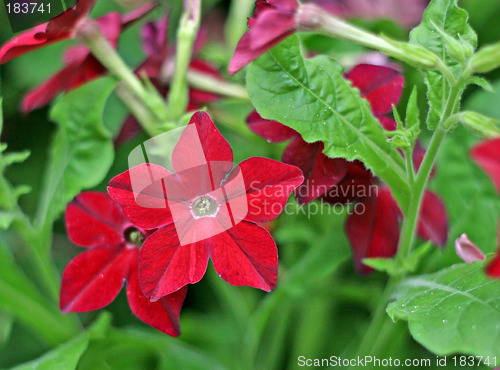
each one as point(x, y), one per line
point(320, 307)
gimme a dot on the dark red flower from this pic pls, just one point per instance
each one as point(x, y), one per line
point(59, 28)
point(159, 66)
point(94, 278)
point(382, 87)
point(81, 65)
point(205, 209)
point(432, 220)
point(272, 22)
point(373, 230)
point(493, 269)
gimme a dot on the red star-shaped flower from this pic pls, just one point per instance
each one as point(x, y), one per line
point(272, 22)
point(81, 65)
point(94, 278)
point(205, 209)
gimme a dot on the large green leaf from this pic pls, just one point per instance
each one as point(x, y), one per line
point(453, 21)
point(456, 310)
point(82, 150)
point(312, 97)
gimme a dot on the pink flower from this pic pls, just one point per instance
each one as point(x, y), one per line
point(94, 278)
point(81, 66)
point(206, 209)
point(272, 22)
point(467, 250)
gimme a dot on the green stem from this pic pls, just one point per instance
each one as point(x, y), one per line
point(410, 171)
point(236, 23)
point(186, 34)
point(205, 82)
point(90, 34)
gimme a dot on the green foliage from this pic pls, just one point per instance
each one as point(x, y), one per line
point(82, 150)
point(442, 17)
point(312, 97)
point(452, 311)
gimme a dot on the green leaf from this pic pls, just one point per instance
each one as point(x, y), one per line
point(451, 20)
point(453, 311)
point(312, 97)
point(67, 355)
point(482, 82)
point(6, 322)
point(82, 150)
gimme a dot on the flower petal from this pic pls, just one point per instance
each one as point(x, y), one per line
point(381, 86)
point(418, 156)
point(387, 123)
point(268, 184)
point(320, 172)
point(358, 184)
point(94, 219)
point(285, 5)
point(433, 222)
point(487, 156)
point(24, 43)
point(246, 255)
point(374, 230)
point(467, 250)
point(200, 144)
point(63, 25)
point(162, 314)
point(243, 54)
point(140, 194)
point(94, 278)
point(199, 97)
point(270, 25)
point(272, 131)
point(154, 36)
point(165, 266)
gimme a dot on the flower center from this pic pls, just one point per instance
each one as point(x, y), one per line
point(204, 207)
point(134, 236)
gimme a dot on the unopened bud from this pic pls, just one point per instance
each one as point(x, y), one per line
point(481, 125)
point(467, 250)
point(487, 59)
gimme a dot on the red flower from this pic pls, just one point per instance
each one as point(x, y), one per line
point(206, 209)
point(382, 87)
point(272, 22)
point(81, 65)
point(159, 65)
point(94, 278)
point(59, 28)
point(487, 156)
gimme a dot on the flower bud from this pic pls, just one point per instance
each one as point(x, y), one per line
point(481, 125)
point(487, 59)
point(467, 250)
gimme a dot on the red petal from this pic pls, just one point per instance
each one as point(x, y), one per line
point(493, 269)
point(138, 191)
point(467, 250)
point(358, 184)
point(94, 278)
point(200, 144)
point(268, 184)
point(374, 232)
point(246, 255)
point(418, 156)
point(24, 43)
point(63, 24)
point(94, 219)
point(487, 156)
point(129, 19)
point(433, 222)
point(260, 6)
point(272, 131)
point(270, 25)
point(166, 266)
point(381, 86)
point(243, 54)
point(285, 5)
point(110, 26)
point(162, 314)
point(199, 97)
point(320, 172)
point(387, 123)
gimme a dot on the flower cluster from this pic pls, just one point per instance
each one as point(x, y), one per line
point(375, 232)
point(158, 229)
